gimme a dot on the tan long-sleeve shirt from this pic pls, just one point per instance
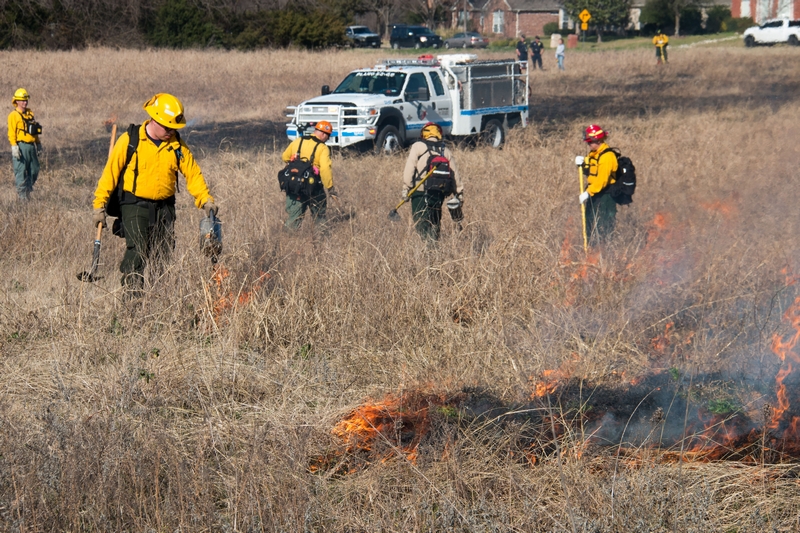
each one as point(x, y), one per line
point(417, 163)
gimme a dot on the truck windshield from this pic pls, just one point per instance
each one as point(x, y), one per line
point(372, 82)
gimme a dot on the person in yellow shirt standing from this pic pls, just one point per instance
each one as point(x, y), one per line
point(600, 168)
point(149, 181)
point(661, 41)
point(23, 134)
point(307, 176)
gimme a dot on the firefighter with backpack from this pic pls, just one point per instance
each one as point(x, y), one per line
point(23, 134)
point(140, 181)
point(307, 176)
point(430, 160)
point(599, 168)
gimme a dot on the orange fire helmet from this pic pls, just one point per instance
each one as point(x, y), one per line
point(324, 126)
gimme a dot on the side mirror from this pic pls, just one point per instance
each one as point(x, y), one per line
point(325, 90)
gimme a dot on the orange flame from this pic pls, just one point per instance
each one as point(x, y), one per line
point(549, 380)
point(783, 399)
point(661, 341)
point(725, 208)
point(227, 299)
point(399, 423)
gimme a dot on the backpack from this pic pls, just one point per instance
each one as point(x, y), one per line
point(298, 176)
point(115, 200)
point(625, 179)
point(441, 175)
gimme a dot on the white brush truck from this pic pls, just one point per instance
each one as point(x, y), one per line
point(386, 106)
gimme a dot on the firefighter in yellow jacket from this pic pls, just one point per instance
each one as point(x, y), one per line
point(600, 168)
point(310, 192)
point(23, 134)
point(661, 41)
point(149, 183)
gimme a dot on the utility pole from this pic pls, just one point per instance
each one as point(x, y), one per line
point(465, 16)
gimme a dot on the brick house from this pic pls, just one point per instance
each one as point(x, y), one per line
point(509, 18)
point(761, 10)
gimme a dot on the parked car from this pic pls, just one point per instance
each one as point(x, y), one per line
point(413, 37)
point(471, 39)
point(362, 36)
point(773, 31)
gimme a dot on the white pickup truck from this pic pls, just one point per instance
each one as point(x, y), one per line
point(781, 30)
point(385, 107)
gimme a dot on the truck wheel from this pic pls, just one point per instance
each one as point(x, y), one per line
point(493, 134)
point(395, 46)
point(749, 41)
point(388, 141)
point(793, 40)
point(447, 45)
point(417, 46)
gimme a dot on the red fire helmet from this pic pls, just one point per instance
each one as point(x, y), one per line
point(594, 133)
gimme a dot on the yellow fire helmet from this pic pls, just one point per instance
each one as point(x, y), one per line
point(166, 110)
point(431, 129)
point(20, 94)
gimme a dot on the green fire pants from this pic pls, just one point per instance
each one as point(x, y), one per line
point(601, 217)
point(149, 238)
point(426, 208)
point(26, 169)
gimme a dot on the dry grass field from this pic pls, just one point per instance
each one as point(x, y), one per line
point(357, 382)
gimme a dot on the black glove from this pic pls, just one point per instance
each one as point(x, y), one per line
point(38, 149)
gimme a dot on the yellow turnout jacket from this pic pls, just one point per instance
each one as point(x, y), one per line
point(155, 169)
point(661, 40)
point(16, 128)
point(602, 169)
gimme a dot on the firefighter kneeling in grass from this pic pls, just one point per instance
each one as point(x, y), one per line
point(307, 176)
point(145, 163)
point(430, 157)
point(600, 168)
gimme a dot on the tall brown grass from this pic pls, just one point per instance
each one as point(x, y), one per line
point(166, 415)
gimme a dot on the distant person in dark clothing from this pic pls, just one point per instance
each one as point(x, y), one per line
point(536, 53)
point(522, 51)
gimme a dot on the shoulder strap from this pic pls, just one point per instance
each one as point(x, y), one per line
point(178, 159)
point(299, 147)
point(133, 145)
point(437, 146)
point(614, 151)
point(314, 151)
